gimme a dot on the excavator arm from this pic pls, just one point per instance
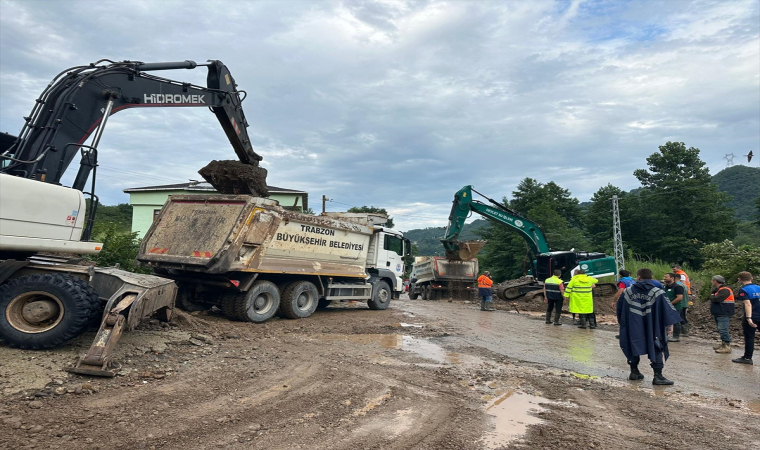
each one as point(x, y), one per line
point(461, 208)
point(78, 102)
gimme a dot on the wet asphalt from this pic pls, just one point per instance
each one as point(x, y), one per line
point(693, 364)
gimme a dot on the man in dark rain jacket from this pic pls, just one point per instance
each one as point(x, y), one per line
point(644, 313)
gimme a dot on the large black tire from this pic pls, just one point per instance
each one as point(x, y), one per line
point(227, 305)
point(299, 300)
point(187, 298)
point(414, 296)
point(44, 311)
point(381, 296)
point(259, 304)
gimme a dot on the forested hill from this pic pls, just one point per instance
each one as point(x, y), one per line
point(428, 240)
point(743, 184)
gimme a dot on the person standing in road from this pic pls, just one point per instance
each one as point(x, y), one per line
point(624, 281)
point(581, 299)
point(722, 308)
point(644, 313)
point(676, 293)
point(484, 291)
point(749, 295)
point(553, 296)
point(685, 280)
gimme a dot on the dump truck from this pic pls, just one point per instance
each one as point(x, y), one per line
point(254, 259)
point(436, 277)
point(47, 295)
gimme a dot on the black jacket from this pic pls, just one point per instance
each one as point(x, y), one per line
point(720, 306)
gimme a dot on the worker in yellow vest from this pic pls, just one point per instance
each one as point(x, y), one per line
point(553, 290)
point(581, 299)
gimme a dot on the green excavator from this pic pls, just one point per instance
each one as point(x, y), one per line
point(546, 261)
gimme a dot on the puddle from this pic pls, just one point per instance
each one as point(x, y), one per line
point(410, 325)
point(384, 340)
point(512, 412)
point(421, 347)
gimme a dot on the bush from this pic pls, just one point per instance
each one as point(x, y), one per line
point(119, 247)
point(726, 259)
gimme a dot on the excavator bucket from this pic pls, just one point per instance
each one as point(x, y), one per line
point(464, 250)
point(236, 178)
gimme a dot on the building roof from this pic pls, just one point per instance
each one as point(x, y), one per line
point(202, 186)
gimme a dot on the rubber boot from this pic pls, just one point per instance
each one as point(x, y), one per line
point(582, 321)
point(724, 348)
point(685, 329)
point(482, 305)
point(635, 374)
point(592, 320)
point(488, 307)
point(660, 380)
point(548, 320)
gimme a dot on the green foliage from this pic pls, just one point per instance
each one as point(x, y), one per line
point(747, 233)
point(742, 184)
point(727, 259)
point(119, 215)
point(757, 205)
point(119, 247)
point(558, 214)
point(678, 210)
point(598, 217)
point(428, 240)
point(372, 210)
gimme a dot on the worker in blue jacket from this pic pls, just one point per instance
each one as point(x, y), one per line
point(644, 313)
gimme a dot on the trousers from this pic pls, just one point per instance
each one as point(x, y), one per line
point(555, 305)
point(749, 339)
point(656, 364)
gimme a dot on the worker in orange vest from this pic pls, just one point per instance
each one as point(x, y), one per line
point(484, 291)
point(686, 326)
point(722, 308)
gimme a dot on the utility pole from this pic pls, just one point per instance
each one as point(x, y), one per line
point(324, 200)
point(617, 235)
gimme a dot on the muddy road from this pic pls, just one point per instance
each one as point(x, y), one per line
point(421, 375)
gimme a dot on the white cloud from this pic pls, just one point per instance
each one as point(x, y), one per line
point(398, 104)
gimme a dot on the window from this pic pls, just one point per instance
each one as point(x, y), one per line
point(394, 244)
point(155, 214)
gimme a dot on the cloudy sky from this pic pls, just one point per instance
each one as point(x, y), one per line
point(398, 104)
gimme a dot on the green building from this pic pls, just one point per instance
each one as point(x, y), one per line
point(147, 201)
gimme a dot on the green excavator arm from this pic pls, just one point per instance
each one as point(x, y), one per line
point(461, 208)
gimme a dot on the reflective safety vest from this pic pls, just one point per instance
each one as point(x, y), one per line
point(553, 290)
point(684, 280)
point(730, 298)
point(578, 290)
point(484, 282)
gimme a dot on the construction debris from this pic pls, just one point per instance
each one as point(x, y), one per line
point(234, 178)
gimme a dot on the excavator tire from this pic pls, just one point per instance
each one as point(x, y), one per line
point(299, 300)
point(259, 304)
point(45, 310)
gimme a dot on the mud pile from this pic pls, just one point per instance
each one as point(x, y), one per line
point(235, 177)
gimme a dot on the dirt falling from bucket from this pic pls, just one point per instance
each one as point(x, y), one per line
point(235, 177)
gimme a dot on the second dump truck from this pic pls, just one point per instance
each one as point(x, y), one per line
point(254, 259)
point(436, 277)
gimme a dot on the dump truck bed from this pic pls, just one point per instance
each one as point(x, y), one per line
point(226, 233)
point(436, 268)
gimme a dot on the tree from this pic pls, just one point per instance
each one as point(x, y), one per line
point(598, 218)
point(757, 205)
point(725, 258)
point(679, 209)
point(372, 210)
point(558, 214)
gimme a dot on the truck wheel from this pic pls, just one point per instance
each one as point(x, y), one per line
point(227, 305)
point(299, 300)
point(187, 300)
point(381, 296)
point(44, 311)
point(414, 296)
point(259, 303)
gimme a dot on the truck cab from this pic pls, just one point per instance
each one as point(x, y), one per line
point(385, 258)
